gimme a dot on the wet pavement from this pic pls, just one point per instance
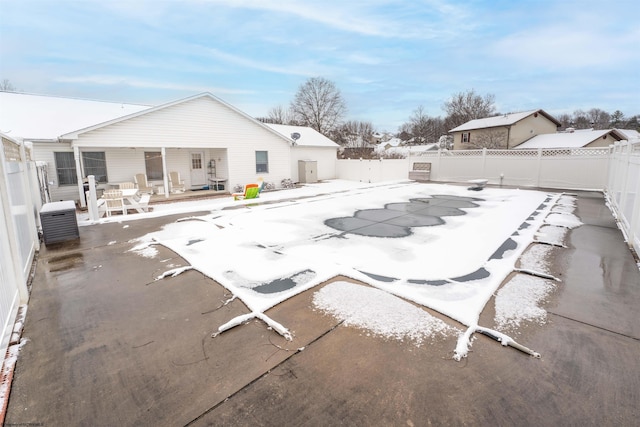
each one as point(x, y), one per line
point(109, 345)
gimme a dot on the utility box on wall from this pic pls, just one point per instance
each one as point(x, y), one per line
point(307, 171)
point(59, 222)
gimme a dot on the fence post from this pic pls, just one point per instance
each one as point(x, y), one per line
point(484, 162)
point(539, 167)
point(626, 167)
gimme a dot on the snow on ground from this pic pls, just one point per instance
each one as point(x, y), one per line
point(265, 253)
point(520, 299)
point(536, 259)
point(379, 313)
point(552, 234)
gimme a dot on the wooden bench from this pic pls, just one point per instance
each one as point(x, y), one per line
point(477, 184)
point(420, 172)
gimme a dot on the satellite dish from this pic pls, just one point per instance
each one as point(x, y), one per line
point(295, 136)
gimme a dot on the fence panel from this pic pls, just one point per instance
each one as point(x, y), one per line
point(18, 228)
point(623, 189)
point(584, 168)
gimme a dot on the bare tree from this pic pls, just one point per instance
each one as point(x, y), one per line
point(422, 128)
point(353, 133)
point(280, 115)
point(580, 120)
point(492, 138)
point(599, 119)
point(465, 106)
point(318, 104)
point(7, 86)
point(565, 120)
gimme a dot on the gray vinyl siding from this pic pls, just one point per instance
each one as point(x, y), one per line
point(43, 152)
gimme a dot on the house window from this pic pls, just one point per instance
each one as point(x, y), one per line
point(262, 161)
point(65, 168)
point(153, 164)
point(466, 137)
point(95, 164)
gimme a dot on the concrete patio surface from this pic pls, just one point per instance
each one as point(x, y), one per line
point(108, 345)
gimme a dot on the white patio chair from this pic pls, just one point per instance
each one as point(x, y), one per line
point(128, 185)
point(142, 183)
point(114, 202)
point(176, 185)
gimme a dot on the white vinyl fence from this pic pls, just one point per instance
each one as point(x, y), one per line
point(19, 241)
point(584, 168)
point(623, 189)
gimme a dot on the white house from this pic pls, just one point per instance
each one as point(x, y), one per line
point(201, 137)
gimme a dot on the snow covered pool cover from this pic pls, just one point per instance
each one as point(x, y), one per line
point(453, 268)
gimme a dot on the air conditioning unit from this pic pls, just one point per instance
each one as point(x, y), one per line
point(59, 222)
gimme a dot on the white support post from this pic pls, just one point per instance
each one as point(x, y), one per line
point(76, 157)
point(92, 199)
point(165, 174)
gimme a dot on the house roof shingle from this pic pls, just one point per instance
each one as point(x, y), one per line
point(502, 120)
point(309, 137)
point(577, 139)
point(41, 117)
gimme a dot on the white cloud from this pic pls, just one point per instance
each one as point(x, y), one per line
point(106, 80)
point(381, 18)
point(306, 68)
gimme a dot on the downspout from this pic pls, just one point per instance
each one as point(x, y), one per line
point(508, 135)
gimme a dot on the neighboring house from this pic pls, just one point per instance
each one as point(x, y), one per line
point(388, 145)
point(504, 131)
point(396, 148)
point(309, 145)
point(200, 137)
point(630, 134)
point(586, 138)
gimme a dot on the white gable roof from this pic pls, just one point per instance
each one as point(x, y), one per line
point(309, 137)
point(39, 117)
point(577, 139)
point(630, 134)
point(502, 120)
point(206, 95)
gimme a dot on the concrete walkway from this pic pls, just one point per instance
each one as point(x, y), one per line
point(110, 346)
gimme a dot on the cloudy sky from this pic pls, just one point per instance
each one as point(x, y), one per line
point(387, 57)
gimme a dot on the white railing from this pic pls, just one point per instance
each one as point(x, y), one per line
point(623, 189)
